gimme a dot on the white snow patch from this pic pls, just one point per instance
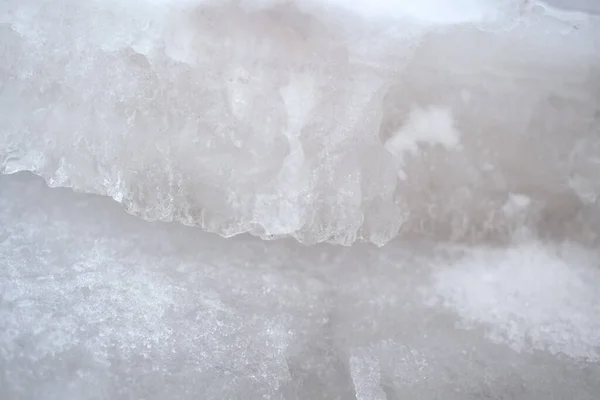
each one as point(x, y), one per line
point(432, 125)
point(531, 297)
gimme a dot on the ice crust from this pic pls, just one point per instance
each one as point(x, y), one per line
point(324, 121)
point(336, 121)
point(97, 304)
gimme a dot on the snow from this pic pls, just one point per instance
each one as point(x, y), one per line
point(426, 175)
point(531, 296)
point(96, 303)
point(430, 126)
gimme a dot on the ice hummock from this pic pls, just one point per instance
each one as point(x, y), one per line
point(301, 119)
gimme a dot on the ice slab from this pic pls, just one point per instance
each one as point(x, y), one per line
point(312, 119)
point(95, 303)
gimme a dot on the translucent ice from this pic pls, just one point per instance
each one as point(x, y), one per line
point(472, 121)
point(325, 121)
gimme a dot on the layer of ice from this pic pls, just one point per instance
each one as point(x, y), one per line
point(462, 120)
point(321, 120)
point(97, 304)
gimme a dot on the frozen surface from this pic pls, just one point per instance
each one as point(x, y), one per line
point(95, 303)
point(463, 134)
point(322, 120)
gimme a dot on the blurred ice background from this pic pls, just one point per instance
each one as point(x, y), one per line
point(430, 170)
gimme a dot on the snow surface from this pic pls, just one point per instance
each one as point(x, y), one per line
point(97, 304)
point(463, 135)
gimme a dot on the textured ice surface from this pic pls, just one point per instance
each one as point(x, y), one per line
point(469, 128)
point(322, 120)
point(97, 304)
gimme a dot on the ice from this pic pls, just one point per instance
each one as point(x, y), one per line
point(98, 304)
point(325, 121)
point(366, 377)
point(463, 135)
